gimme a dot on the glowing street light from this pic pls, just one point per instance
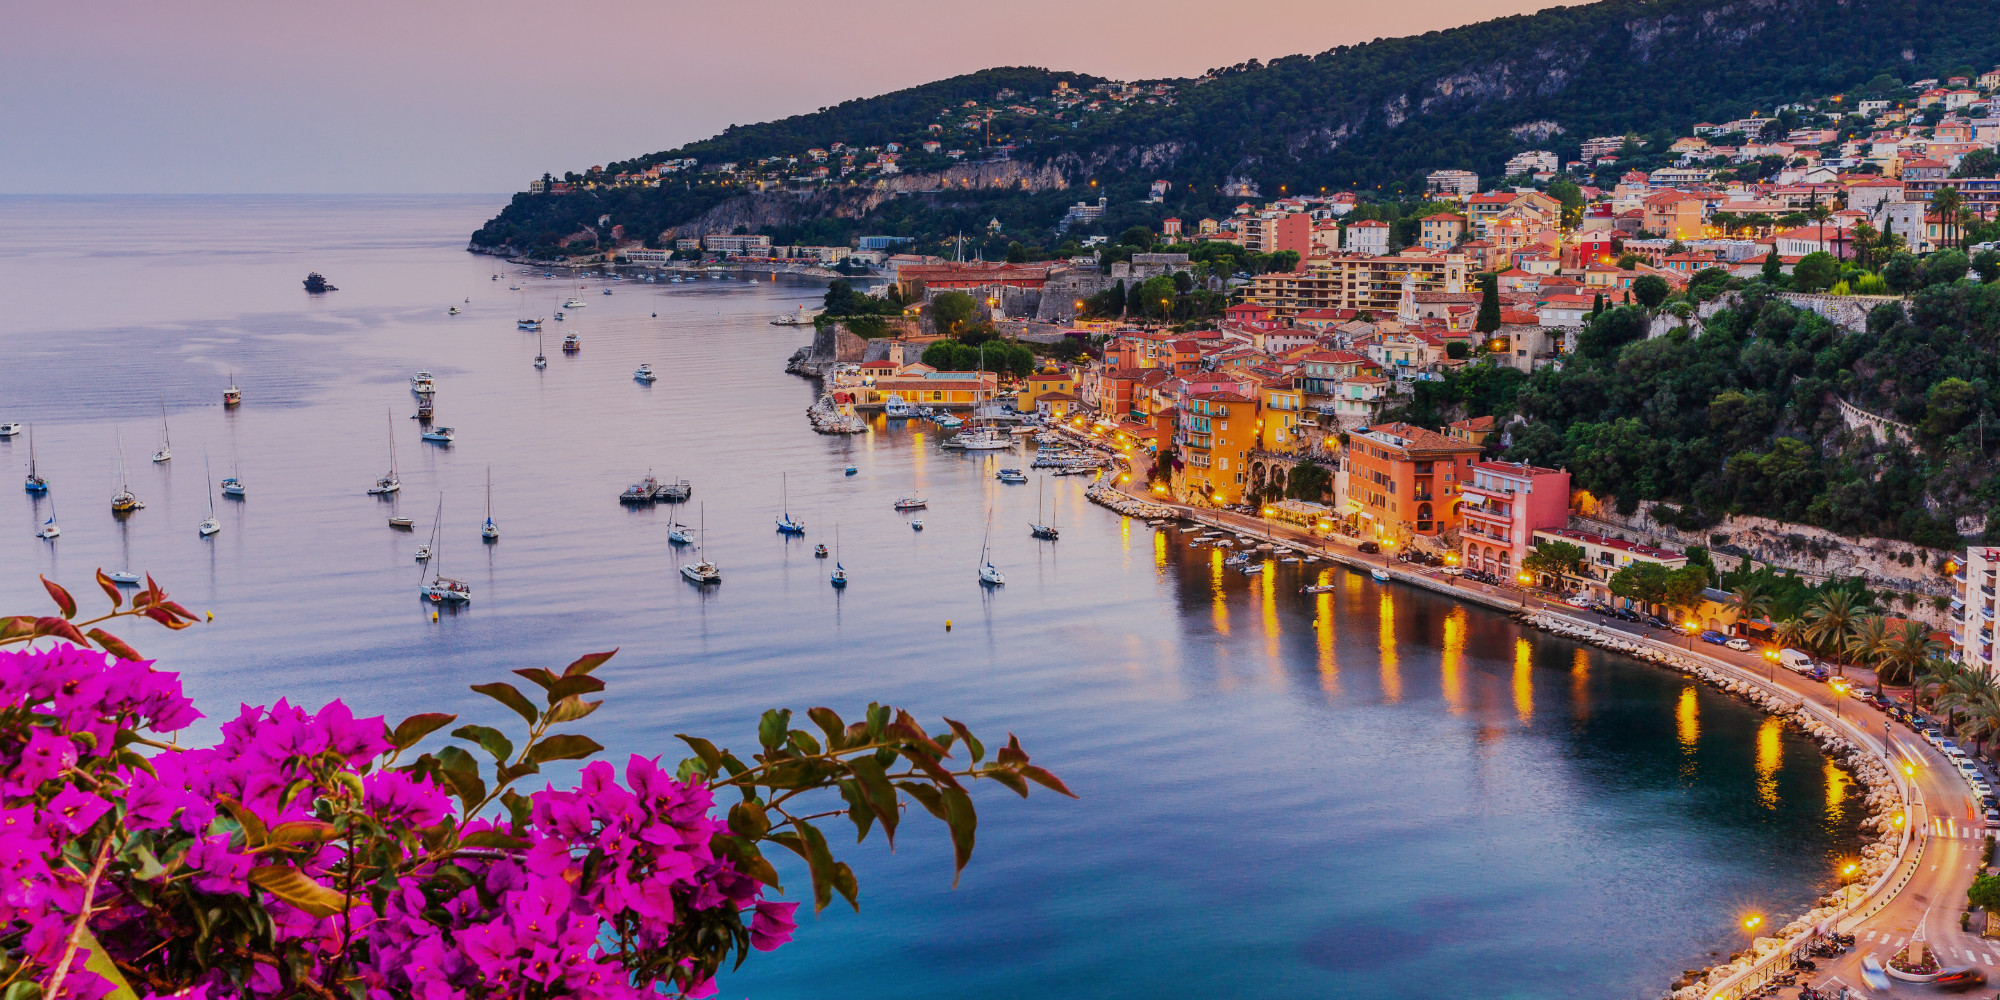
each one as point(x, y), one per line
point(1752, 922)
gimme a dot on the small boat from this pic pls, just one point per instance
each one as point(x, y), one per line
point(607, 291)
point(211, 525)
point(1381, 575)
point(530, 325)
point(166, 452)
point(981, 439)
point(123, 501)
point(423, 382)
point(124, 577)
point(402, 523)
point(839, 578)
point(388, 484)
point(573, 303)
point(895, 408)
point(513, 288)
point(1317, 588)
point(644, 373)
point(704, 572)
point(559, 315)
point(442, 589)
point(851, 470)
point(423, 553)
point(315, 284)
point(453, 311)
point(678, 535)
point(572, 343)
point(49, 527)
point(916, 524)
point(1011, 476)
point(541, 360)
point(426, 406)
point(232, 396)
point(819, 551)
point(489, 531)
point(948, 422)
point(35, 484)
point(988, 574)
point(912, 503)
point(441, 435)
point(496, 277)
point(10, 429)
point(1046, 532)
point(787, 524)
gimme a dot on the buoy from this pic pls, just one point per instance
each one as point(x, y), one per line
point(211, 616)
point(434, 616)
point(947, 624)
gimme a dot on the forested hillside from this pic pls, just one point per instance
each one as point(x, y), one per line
point(1379, 114)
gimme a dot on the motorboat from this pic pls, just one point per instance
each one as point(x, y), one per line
point(530, 325)
point(441, 435)
point(607, 291)
point(1317, 588)
point(946, 421)
point(422, 382)
point(895, 408)
point(232, 396)
point(573, 303)
point(787, 524)
point(9, 429)
point(453, 311)
point(513, 288)
point(850, 470)
point(982, 439)
point(1381, 575)
point(35, 484)
point(559, 315)
point(644, 373)
point(166, 452)
point(572, 343)
point(1011, 476)
point(819, 551)
point(912, 503)
point(124, 577)
point(916, 524)
point(402, 523)
point(423, 553)
point(679, 491)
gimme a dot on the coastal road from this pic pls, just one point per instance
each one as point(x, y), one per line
point(1948, 824)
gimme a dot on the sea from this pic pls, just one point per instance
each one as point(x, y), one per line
point(1375, 792)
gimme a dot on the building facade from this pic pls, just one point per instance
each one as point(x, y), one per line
point(1503, 506)
point(1403, 481)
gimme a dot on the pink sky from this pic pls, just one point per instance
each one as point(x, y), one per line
point(378, 96)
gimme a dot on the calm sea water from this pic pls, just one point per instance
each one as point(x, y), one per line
point(1360, 794)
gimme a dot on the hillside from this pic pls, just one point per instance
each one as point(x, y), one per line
point(1362, 117)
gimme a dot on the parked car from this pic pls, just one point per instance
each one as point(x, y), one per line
point(1657, 622)
point(1625, 614)
point(1992, 816)
point(1369, 547)
point(1795, 659)
point(1817, 673)
point(1715, 638)
point(1739, 644)
point(1577, 601)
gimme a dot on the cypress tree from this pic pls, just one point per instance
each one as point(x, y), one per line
point(1774, 270)
point(1118, 298)
point(1489, 304)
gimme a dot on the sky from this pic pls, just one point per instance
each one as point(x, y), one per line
point(362, 96)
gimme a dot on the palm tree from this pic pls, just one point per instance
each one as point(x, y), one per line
point(1832, 617)
point(1750, 602)
point(1949, 205)
point(1790, 632)
point(1867, 642)
point(1972, 693)
point(1930, 677)
point(1905, 652)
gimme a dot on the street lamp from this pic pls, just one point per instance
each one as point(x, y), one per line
point(1752, 922)
point(1839, 687)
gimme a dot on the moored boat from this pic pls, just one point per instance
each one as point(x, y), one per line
point(643, 491)
point(440, 435)
point(912, 503)
point(572, 343)
point(644, 373)
point(232, 396)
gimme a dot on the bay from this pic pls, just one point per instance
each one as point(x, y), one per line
point(1357, 794)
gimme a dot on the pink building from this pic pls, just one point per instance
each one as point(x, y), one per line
point(1502, 507)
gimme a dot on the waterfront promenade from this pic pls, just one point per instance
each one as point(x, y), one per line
point(1946, 820)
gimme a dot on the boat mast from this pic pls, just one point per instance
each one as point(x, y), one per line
point(391, 422)
point(31, 457)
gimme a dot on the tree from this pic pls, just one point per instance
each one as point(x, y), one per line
point(1815, 272)
point(1902, 274)
point(1117, 302)
point(1308, 480)
point(952, 312)
point(1555, 559)
point(1489, 304)
point(1682, 587)
point(1566, 191)
point(1947, 405)
point(1749, 602)
point(1944, 267)
point(1773, 271)
point(1651, 290)
point(1984, 893)
point(1155, 297)
point(1645, 582)
point(1456, 349)
point(1978, 163)
point(1948, 205)
point(1987, 264)
point(1831, 618)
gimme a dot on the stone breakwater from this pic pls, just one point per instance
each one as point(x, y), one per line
point(1883, 801)
point(1106, 495)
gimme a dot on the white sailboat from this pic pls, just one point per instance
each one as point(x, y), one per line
point(1044, 531)
point(49, 528)
point(388, 484)
point(211, 525)
point(233, 486)
point(988, 574)
point(123, 501)
point(839, 578)
point(702, 572)
point(541, 360)
point(786, 523)
point(166, 452)
point(491, 531)
point(36, 484)
point(442, 588)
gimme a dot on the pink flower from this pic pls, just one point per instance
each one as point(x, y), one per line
point(224, 871)
point(45, 756)
point(393, 797)
point(772, 926)
point(75, 810)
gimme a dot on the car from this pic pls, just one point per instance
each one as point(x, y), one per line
point(1817, 673)
point(1872, 973)
point(1657, 622)
point(1988, 802)
point(1715, 638)
point(1960, 979)
point(1931, 733)
point(1369, 547)
point(1739, 644)
point(1577, 601)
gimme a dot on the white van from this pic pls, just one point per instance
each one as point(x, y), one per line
point(1796, 660)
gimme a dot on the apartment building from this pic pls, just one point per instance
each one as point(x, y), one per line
point(1358, 282)
point(1452, 182)
point(1503, 506)
point(1216, 433)
point(1603, 557)
point(1403, 481)
point(1972, 609)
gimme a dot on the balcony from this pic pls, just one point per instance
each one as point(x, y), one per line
point(1987, 590)
point(1424, 498)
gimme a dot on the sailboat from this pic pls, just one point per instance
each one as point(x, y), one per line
point(442, 588)
point(388, 484)
point(491, 532)
point(1047, 531)
point(988, 575)
point(678, 535)
point(541, 360)
point(123, 501)
point(786, 523)
point(36, 484)
point(49, 529)
point(703, 572)
point(166, 451)
point(232, 395)
point(839, 578)
point(210, 526)
point(233, 486)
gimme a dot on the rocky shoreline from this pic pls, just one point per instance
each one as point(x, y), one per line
point(1883, 801)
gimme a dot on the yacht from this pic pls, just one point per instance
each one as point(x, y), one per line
point(573, 303)
point(489, 531)
point(35, 484)
point(786, 523)
point(123, 576)
point(211, 525)
point(988, 575)
point(8, 430)
point(678, 535)
point(123, 501)
point(572, 343)
point(423, 553)
point(703, 572)
point(441, 589)
point(401, 523)
point(982, 439)
point(644, 373)
point(1046, 532)
point(233, 487)
point(912, 503)
point(1011, 476)
point(49, 528)
point(1381, 575)
point(232, 396)
point(895, 407)
point(531, 325)
point(388, 484)
point(441, 435)
point(423, 382)
point(541, 360)
point(166, 452)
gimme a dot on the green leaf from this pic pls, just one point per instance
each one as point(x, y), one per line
point(804, 743)
point(144, 864)
point(566, 687)
point(99, 961)
point(971, 742)
point(254, 832)
point(26, 989)
point(570, 710)
point(302, 832)
point(292, 886)
point(906, 727)
point(711, 759)
point(858, 809)
point(749, 860)
point(520, 808)
point(493, 838)
point(500, 747)
point(508, 772)
point(588, 663)
point(819, 861)
point(963, 821)
point(411, 731)
point(510, 696)
point(878, 719)
point(772, 727)
point(1011, 780)
point(881, 795)
point(829, 723)
point(539, 676)
point(843, 883)
point(748, 819)
point(563, 746)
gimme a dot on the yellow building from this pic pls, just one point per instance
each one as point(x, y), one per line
point(1040, 384)
point(1278, 430)
point(1217, 431)
point(953, 390)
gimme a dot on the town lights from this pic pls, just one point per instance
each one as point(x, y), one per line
point(1752, 922)
point(1897, 821)
point(1849, 870)
point(1524, 578)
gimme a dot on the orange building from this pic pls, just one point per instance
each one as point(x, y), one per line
point(1404, 481)
point(1217, 431)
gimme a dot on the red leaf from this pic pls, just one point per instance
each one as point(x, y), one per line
point(1043, 778)
point(164, 617)
point(1012, 752)
point(180, 611)
point(63, 600)
point(110, 589)
point(113, 645)
point(59, 628)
